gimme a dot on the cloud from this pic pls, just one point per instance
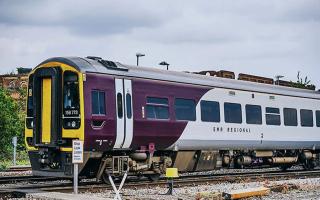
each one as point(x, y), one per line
point(259, 37)
point(81, 17)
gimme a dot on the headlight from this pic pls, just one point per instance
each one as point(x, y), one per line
point(71, 123)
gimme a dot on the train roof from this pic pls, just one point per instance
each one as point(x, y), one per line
point(97, 65)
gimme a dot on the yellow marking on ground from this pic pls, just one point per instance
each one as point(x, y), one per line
point(246, 193)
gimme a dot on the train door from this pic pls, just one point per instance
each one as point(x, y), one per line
point(124, 113)
point(47, 109)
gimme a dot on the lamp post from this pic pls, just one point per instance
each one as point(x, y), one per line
point(278, 79)
point(139, 55)
point(165, 63)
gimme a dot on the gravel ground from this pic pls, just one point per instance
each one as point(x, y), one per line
point(308, 189)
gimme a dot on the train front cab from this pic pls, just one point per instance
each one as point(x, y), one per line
point(54, 118)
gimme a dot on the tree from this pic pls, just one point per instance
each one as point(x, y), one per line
point(11, 123)
point(302, 82)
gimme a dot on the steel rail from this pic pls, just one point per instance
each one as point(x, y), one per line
point(93, 186)
point(26, 178)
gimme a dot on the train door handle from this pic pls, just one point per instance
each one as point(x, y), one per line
point(98, 124)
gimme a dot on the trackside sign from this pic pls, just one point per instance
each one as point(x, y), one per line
point(77, 151)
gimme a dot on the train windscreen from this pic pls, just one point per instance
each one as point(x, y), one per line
point(71, 105)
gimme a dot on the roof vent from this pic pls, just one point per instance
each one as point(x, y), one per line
point(94, 57)
point(107, 64)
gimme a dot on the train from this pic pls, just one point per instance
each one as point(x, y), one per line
point(141, 121)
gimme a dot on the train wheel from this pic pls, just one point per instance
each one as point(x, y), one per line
point(284, 167)
point(308, 164)
point(105, 178)
point(153, 177)
point(238, 164)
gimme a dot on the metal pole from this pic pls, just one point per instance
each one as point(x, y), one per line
point(137, 60)
point(114, 188)
point(14, 142)
point(122, 181)
point(75, 178)
point(14, 155)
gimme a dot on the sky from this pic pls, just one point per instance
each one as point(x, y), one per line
point(265, 38)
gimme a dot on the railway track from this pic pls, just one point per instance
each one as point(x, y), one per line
point(27, 178)
point(182, 181)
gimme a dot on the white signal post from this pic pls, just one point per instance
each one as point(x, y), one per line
point(14, 143)
point(77, 158)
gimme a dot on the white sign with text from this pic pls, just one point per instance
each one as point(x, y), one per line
point(77, 151)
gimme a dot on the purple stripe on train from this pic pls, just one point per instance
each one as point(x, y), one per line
point(100, 139)
point(162, 133)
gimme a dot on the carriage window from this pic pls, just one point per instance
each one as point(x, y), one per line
point(98, 102)
point(306, 117)
point(185, 109)
point(253, 114)
point(210, 111)
point(232, 113)
point(273, 116)
point(318, 118)
point(290, 117)
point(157, 108)
point(128, 105)
point(119, 105)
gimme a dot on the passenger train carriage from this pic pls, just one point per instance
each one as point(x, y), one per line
point(143, 120)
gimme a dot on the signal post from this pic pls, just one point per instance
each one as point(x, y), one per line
point(77, 158)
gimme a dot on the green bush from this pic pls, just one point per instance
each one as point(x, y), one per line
point(11, 124)
point(22, 159)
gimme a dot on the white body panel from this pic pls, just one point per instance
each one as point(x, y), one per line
point(120, 120)
point(124, 123)
point(211, 135)
point(128, 119)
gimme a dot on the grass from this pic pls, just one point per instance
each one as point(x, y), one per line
point(22, 159)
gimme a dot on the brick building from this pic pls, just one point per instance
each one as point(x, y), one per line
point(13, 82)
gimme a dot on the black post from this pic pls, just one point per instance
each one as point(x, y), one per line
point(170, 184)
point(137, 60)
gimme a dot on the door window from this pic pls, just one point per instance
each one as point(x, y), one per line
point(120, 106)
point(128, 104)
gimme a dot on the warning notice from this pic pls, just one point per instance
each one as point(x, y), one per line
point(77, 151)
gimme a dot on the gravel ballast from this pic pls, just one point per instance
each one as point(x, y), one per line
point(307, 189)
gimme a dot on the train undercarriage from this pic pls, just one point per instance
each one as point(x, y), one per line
point(152, 164)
